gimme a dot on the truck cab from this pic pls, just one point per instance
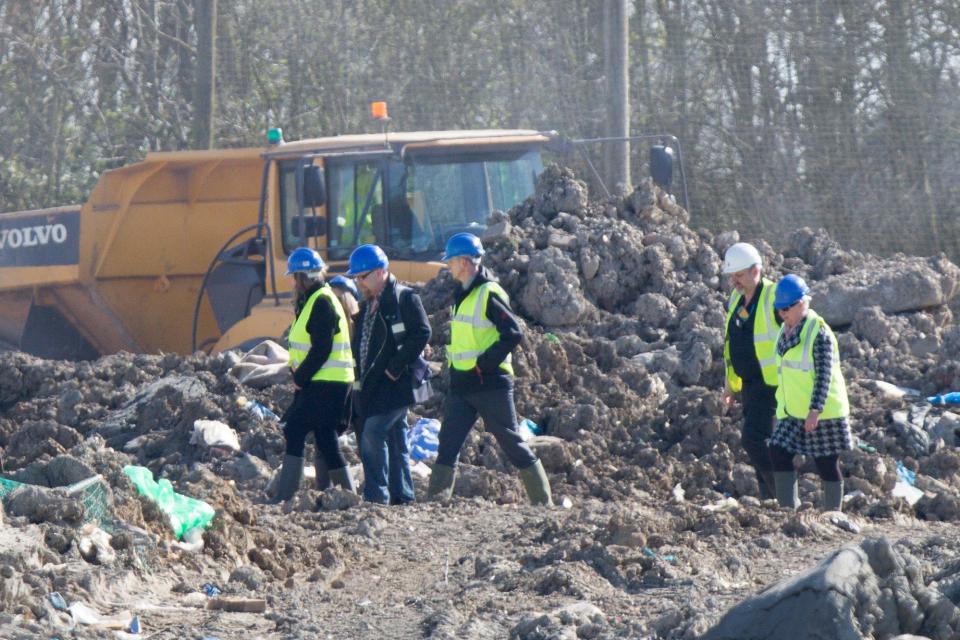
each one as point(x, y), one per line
point(186, 250)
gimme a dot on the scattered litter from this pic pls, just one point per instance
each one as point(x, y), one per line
point(84, 614)
point(183, 513)
point(857, 493)
point(906, 475)
point(259, 410)
point(944, 398)
point(238, 605)
point(192, 540)
point(420, 470)
point(552, 337)
point(863, 446)
point(650, 553)
point(211, 590)
point(909, 493)
point(57, 601)
point(727, 504)
point(678, 493)
point(892, 390)
point(423, 439)
point(566, 503)
point(213, 433)
point(843, 521)
point(94, 545)
point(528, 429)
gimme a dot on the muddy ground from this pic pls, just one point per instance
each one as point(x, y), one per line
point(656, 533)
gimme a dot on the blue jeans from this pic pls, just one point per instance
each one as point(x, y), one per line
point(386, 459)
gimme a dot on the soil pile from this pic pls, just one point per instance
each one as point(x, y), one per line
point(621, 368)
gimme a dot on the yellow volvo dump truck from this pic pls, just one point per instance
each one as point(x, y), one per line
point(187, 250)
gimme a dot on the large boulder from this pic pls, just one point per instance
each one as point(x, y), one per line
point(860, 591)
point(907, 284)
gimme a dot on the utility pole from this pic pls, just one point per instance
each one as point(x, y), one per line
point(618, 90)
point(204, 98)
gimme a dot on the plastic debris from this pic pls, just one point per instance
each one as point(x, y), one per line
point(726, 504)
point(213, 433)
point(863, 446)
point(211, 590)
point(944, 398)
point(192, 540)
point(261, 411)
point(552, 337)
point(892, 390)
point(94, 545)
point(903, 490)
point(57, 601)
point(678, 493)
point(528, 429)
point(184, 513)
point(906, 475)
point(84, 614)
point(423, 439)
point(650, 553)
point(843, 521)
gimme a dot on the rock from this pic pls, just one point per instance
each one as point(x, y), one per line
point(857, 591)
point(336, 499)
point(552, 295)
point(552, 451)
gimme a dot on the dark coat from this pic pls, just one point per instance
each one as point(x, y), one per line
point(379, 394)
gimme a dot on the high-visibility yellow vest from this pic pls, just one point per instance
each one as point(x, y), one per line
point(796, 372)
point(471, 333)
point(339, 364)
point(765, 332)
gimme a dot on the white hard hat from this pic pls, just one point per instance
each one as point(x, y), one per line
point(741, 256)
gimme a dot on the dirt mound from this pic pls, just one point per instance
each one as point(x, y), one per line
point(621, 369)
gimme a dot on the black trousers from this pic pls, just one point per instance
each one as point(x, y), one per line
point(828, 467)
point(499, 415)
point(318, 407)
point(759, 418)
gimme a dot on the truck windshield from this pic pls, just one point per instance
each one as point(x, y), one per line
point(411, 208)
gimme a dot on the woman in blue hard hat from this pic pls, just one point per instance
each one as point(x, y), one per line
point(812, 407)
point(483, 332)
point(322, 365)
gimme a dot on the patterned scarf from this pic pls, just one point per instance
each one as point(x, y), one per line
point(365, 334)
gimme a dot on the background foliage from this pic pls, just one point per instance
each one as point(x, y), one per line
point(833, 113)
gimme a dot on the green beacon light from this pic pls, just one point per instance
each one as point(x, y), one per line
point(275, 135)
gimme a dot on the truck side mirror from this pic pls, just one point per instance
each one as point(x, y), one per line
point(314, 187)
point(661, 165)
point(312, 226)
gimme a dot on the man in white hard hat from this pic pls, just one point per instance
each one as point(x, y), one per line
point(749, 353)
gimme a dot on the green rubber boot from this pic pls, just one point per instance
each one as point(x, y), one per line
point(442, 478)
point(288, 480)
point(341, 478)
point(537, 485)
point(787, 493)
point(833, 496)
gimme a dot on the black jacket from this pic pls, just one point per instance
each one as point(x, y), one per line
point(490, 375)
point(322, 326)
point(379, 394)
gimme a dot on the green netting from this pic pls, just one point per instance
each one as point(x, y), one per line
point(94, 495)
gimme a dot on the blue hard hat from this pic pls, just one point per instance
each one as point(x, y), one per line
point(365, 258)
point(343, 282)
point(462, 244)
point(789, 291)
point(304, 259)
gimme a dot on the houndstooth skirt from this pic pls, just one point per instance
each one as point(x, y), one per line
point(830, 438)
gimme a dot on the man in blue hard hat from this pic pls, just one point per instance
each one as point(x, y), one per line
point(322, 365)
point(391, 331)
point(749, 337)
point(483, 332)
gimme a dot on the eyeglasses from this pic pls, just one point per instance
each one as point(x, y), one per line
point(785, 309)
point(363, 276)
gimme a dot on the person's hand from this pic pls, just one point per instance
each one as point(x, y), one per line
point(728, 397)
point(813, 418)
point(427, 352)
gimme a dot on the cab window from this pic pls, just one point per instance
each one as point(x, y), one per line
point(355, 205)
